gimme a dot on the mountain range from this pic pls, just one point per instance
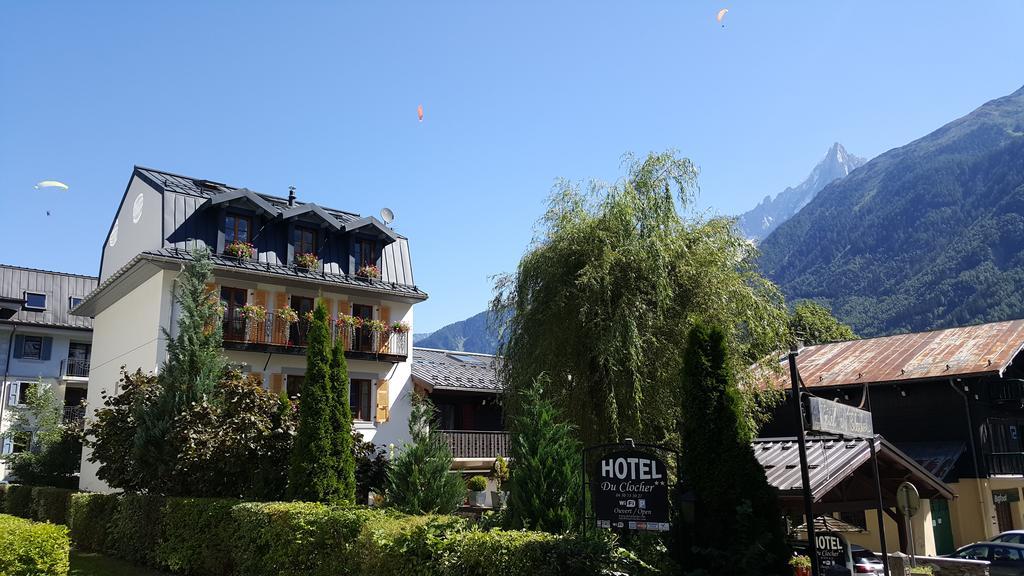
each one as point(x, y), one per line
point(761, 221)
point(925, 236)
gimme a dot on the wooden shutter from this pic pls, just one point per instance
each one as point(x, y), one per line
point(12, 397)
point(279, 335)
point(8, 446)
point(258, 330)
point(47, 347)
point(276, 383)
point(385, 317)
point(257, 375)
point(211, 287)
point(383, 402)
point(19, 345)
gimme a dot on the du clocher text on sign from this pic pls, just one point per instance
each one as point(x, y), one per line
point(630, 492)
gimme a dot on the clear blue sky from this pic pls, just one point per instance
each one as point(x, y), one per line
point(323, 97)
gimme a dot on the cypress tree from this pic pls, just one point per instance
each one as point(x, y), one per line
point(420, 480)
point(313, 476)
point(341, 426)
point(738, 528)
point(194, 365)
point(544, 481)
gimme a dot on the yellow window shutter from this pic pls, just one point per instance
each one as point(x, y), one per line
point(257, 376)
point(329, 303)
point(385, 317)
point(276, 383)
point(211, 287)
point(383, 403)
point(257, 330)
point(278, 335)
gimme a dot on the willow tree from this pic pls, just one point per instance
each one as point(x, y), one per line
point(603, 298)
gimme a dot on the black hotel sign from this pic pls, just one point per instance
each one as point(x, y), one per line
point(630, 491)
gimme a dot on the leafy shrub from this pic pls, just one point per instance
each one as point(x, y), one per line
point(51, 504)
point(197, 536)
point(411, 545)
point(477, 484)
point(19, 500)
point(32, 548)
point(134, 528)
point(3, 497)
point(89, 517)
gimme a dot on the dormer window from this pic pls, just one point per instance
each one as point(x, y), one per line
point(364, 252)
point(237, 229)
point(304, 240)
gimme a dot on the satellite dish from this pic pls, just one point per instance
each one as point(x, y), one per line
point(387, 215)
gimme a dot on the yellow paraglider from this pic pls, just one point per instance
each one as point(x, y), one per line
point(721, 15)
point(51, 184)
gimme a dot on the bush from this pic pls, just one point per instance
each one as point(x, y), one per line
point(197, 536)
point(89, 517)
point(31, 548)
point(19, 500)
point(51, 504)
point(477, 484)
point(3, 497)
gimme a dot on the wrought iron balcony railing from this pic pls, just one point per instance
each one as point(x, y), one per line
point(476, 443)
point(293, 336)
point(74, 416)
point(77, 367)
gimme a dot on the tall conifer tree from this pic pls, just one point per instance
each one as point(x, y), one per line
point(738, 526)
point(341, 426)
point(420, 480)
point(313, 473)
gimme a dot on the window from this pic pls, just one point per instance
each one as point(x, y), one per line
point(74, 301)
point(359, 399)
point(304, 240)
point(24, 391)
point(20, 442)
point(365, 253)
point(976, 552)
point(35, 301)
point(237, 229)
point(233, 299)
point(32, 348)
point(295, 385)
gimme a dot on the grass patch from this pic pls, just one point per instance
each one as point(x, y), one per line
point(92, 564)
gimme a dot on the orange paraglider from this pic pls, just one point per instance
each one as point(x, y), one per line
point(419, 112)
point(721, 15)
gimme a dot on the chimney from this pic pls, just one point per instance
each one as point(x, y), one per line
point(291, 196)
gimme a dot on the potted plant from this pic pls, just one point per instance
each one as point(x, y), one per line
point(306, 260)
point(240, 250)
point(500, 476)
point(368, 271)
point(801, 565)
point(288, 315)
point(347, 321)
point(253, 312)
point(376, 326)
point(477, 486)
point(400, 327)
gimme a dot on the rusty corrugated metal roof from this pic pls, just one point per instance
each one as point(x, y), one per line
point(985, 349)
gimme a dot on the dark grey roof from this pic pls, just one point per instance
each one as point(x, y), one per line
point(209, 189)
point(222, 261)
point(59, 287)
point(939, 458)
point(454, 370)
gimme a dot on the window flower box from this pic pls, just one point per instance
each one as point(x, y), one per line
point(376, 326)
point(306, 260)
point(369, 271)
point(400, 327)
point(347, 321)
point(240, 250)
point(288, 315)
point(253, 312)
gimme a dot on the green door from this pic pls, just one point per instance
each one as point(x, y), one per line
point(941, 527)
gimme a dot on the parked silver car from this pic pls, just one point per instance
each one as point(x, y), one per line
point(1012, 536)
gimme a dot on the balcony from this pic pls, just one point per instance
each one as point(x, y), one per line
point(1005, 463)
point(277, 336)
point(476, 444)
point(74, 416)
point(77, 368)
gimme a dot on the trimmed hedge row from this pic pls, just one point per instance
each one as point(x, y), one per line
point(218, 537)
point(44, 504)
point(32, 548)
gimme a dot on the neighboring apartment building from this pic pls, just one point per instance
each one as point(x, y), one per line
point(163, 217)
point(953, 400)
point(40, 341)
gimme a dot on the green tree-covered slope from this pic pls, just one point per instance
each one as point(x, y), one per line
point(925, 236)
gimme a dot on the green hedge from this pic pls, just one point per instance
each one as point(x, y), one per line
point(32, 549)
point(89, 519)
point(3, 497)
point(50, 504)
point(19, 501)
point(219, 537)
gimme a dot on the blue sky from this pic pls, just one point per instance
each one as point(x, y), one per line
point(323, 96)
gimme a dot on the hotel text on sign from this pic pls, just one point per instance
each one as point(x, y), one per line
point(630, 491)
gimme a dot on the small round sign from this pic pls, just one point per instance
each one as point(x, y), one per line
point(908, 501)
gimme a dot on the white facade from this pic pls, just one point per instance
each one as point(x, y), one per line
point(130, 333)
